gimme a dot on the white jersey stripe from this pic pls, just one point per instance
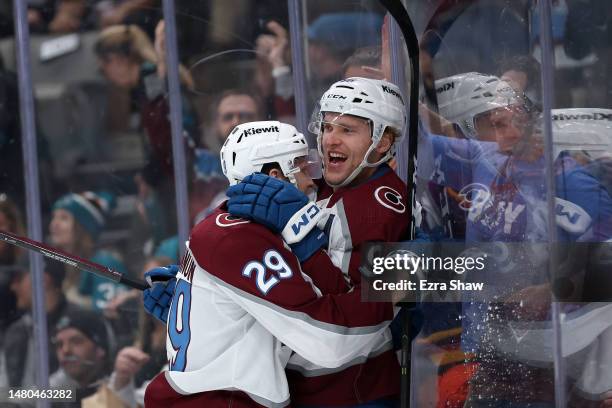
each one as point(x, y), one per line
point(308, 369)
point(301, 316)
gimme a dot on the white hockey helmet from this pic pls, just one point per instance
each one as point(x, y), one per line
point(378, 101)
point(586, 130)
point(462, 98)
point(251, 145)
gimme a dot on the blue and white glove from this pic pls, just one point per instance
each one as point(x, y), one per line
point(158, 298)
point(310, 244)
point(276, 204)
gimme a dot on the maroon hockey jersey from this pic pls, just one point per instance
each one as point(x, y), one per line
point(241, 305)
point(375, 210)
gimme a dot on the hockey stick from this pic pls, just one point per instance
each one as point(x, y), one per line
point(72, 260)
point(399, 13)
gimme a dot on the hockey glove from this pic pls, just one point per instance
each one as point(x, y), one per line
point(276, 204)
point(158, 297)
point(311, 243)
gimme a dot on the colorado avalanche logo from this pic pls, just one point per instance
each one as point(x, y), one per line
point(390, 198)
point(473, 196)
point(227, 220)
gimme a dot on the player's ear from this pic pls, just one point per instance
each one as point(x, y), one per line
point(385, 142)
point(276, 173)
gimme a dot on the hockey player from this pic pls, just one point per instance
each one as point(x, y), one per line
point(358, 126)
point(241, 295)
point(492, 184)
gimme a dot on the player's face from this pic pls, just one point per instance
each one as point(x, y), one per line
point(119, 70)
point(305, 184)
point(344, 142)
point(506, 126)
point(234, 110)
point(77, 354)
point(62, 229)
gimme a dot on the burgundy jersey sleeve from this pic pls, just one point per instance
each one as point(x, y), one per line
point(256, 263)
point(325, 275)
point(253, 267)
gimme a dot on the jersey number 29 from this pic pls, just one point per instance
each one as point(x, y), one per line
point(272, 261)
point(178, 324)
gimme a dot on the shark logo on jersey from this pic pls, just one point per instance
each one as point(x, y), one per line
point(390, 198)
point(227, 220)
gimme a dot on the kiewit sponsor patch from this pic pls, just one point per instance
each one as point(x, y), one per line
point(253, 131)
point(583, 116)
point(388, 90)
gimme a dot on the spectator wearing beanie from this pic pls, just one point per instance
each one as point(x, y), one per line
point(81, 339)
point(78, 220)
point(19, 356)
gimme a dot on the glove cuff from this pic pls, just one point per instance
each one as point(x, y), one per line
point(301, 223)
point(314, 240)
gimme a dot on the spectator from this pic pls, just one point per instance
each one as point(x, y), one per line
point(11, 164)
point(272, 72)
point(136, 365)
point(365, 62)
point(169, 249)
point(10, 221)
point(587, 32)
point(19, 347)
point(81, 340)
point(332, 38)
point(130, 61)
point(233, 107)
point(522, 72)
point(57, 16)
point(75, 227)
point(143, 13)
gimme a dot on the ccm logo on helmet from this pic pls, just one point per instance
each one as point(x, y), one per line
point(335, 96)
point(226, 220)
point(388, 90)
point(253, 131)
point(390, 198)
